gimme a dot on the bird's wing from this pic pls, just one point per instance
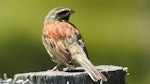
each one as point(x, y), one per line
point(58, 32)
point(80, 40)
point(82, 44)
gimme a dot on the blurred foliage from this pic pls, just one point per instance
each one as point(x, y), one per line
point(116, 32)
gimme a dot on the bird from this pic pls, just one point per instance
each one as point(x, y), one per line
point(64, 42)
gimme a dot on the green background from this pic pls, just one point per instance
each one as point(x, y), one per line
point(116, 32)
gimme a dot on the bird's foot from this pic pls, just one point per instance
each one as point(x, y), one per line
point(69, 68)
point(55, 68)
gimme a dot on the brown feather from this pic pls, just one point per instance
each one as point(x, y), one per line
point(57, 32)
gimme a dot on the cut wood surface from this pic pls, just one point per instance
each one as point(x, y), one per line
point(114, 74)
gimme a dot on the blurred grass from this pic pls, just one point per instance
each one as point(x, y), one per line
point(116, 33)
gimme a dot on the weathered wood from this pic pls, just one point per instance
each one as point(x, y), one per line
point(114, 74)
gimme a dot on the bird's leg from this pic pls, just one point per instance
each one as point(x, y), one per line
point(55, 68)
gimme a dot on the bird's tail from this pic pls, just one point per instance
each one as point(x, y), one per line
point(79, 55)
point(91, 70)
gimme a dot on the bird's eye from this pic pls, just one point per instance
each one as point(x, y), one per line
point(62, 13)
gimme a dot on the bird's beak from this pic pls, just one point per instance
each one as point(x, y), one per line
point(71, 11)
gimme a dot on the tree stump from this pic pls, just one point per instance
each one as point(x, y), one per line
point(114, 74)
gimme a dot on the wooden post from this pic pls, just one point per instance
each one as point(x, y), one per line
point(114, 74)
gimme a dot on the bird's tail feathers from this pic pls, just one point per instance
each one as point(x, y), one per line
point(80, 56)
point(91, 70)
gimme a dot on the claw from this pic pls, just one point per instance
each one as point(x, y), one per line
point(69, 68)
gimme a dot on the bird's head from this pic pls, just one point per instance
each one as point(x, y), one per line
point(59, 14)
